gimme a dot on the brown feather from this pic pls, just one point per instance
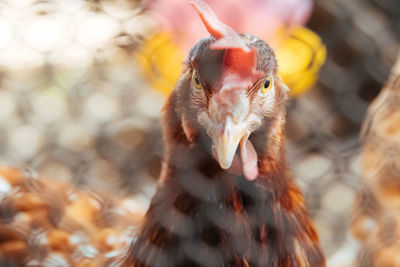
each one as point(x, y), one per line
point(199, 208)
point(376, 219)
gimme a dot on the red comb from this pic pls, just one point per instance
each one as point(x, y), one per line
point(239, 59)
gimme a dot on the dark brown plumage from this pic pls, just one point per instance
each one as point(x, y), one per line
point(203, 215)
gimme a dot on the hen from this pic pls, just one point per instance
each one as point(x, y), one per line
point(226, 196)
point(376, 222)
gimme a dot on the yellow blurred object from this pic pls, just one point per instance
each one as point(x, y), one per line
point(301, 54)
point(161, 61)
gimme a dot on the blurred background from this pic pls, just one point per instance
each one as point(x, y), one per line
point(82, 84)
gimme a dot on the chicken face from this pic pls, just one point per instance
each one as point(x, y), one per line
point(234, 88)
point(234, 112)
point(230, 107)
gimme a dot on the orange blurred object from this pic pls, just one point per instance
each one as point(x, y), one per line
point(45, 221)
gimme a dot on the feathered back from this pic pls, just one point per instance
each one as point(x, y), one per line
point(377, 220)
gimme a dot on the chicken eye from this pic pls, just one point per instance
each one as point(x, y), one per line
point(196, 80)
point(266, 86)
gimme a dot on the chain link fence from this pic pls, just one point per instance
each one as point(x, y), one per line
point(74, 105)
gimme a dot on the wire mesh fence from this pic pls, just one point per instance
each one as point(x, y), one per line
point(75, 106)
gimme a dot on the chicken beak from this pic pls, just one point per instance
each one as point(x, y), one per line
point(227, 142)
point(228, 122)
